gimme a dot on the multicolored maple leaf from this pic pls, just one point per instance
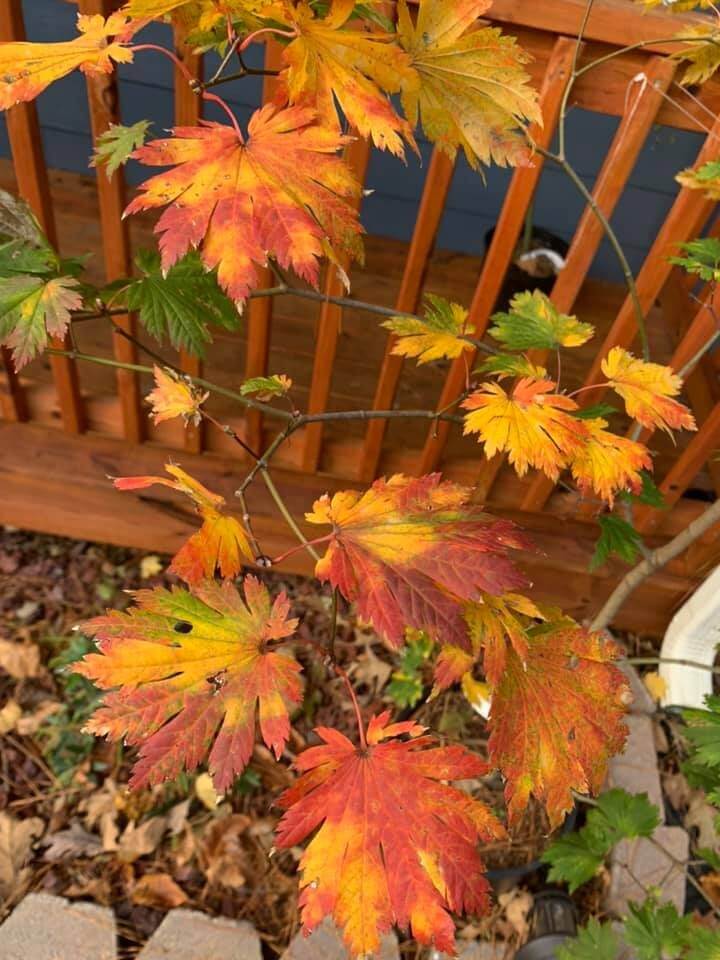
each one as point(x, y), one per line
point(192, 670)
point(532, 425)
point(332, 64)
point(174, 396)
point(26, 69)
point(411, 551)
point(221, 541)
point(283, 193)
point(33, 308)
point(395, 843)
point(534, 323)
point(647, 389)
point(437, 334)
point(471, 89)
point(557, 717)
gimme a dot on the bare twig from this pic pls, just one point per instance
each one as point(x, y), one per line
point(656, 561)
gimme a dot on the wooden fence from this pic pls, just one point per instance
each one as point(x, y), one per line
point(59, 439)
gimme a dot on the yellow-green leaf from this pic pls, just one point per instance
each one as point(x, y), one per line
point(434, 336)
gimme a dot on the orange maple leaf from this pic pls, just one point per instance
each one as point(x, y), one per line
point(283, 193)
point(331, 64)
point(26, 69)
point(174, 396)
point(647, 389)
point(396, 844)
point(556, 717)
point(221, 541)
point(493, 623)
point(607, 463)
point(411, 551)
point(532, 425)
point(191, 671)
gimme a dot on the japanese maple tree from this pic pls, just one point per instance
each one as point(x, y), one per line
point(194, 674)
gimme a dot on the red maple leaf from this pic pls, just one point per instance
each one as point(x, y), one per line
point(411, 552)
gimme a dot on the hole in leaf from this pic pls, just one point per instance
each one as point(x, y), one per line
point(182, 626)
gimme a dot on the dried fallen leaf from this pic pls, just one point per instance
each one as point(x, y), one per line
point(150, 566)
point(16, 838)
point(9, 716)
point(20, 660)
point(158, 890)
point(71, 844)
point(30, 723)
point(139, 841)
point(221, 856)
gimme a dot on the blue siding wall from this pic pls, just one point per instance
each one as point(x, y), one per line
point(146, 92)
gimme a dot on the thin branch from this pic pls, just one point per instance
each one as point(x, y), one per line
point(656, 561)
point(287, 516)
point(651, 661)
point(562, 162)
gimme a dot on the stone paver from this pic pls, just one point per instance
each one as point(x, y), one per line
point(481, 951)
point(190, 935)
point(651, 866)
point(642, 701)
point(51, 928)
point(325, 943)
point(635, 770)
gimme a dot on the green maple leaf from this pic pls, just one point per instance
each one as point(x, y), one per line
point(655, 931)
point(703, 732)
point(596, 941)
point(575, 858)
point(533, 323)
point(702, 258)
point(115, 146)
point(178, 306)
point(617, 537)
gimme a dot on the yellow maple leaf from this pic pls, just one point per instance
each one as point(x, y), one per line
point(436, 335)
point(701, 52)
point(26, 69)
point(647, 389)
point(200, 14)
point(174, 396)
point(607, 463)
point(221, 541)
point(656, 686)
point(332, 64)
point(532, 425)
point(471, 89)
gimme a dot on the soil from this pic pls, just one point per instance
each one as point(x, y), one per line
point(94, 840)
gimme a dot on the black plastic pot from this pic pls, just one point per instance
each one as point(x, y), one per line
point(505, 878)
point(518, 280)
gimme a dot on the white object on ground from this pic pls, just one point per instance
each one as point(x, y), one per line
point(693, 634)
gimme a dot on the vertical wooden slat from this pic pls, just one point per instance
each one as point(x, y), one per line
point(357, 155)
point(259, 312)
point(188, 111)
point(504, 241)
point(432, 205)
point(686, 218)
point(12, 397)
point(31, 173)
point(641, 110)
point(103, 102)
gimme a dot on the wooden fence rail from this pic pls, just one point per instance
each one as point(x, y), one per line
point(54, 479)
